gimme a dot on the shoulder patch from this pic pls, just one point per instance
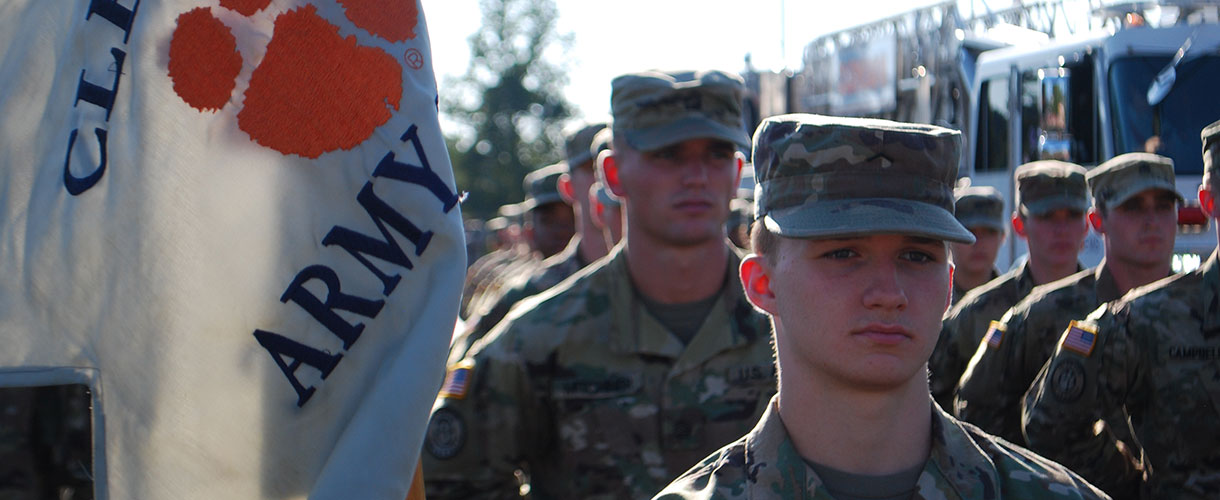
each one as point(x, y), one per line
point(995, 334)
point(457, 380)
point(1080, 338)
point(446, 434)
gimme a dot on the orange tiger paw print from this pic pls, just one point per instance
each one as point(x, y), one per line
point(313, 91)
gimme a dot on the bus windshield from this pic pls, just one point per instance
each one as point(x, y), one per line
point(1172, 127)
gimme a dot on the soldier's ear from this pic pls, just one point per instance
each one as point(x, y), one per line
point(1207, 201)
point(741, 163)
point(1018, 224)
point(609, 166)
point(1096, 221)
point(756, 279)
point(949, 296)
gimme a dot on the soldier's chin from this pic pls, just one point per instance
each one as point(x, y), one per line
point(696, 236)
point(887, 378)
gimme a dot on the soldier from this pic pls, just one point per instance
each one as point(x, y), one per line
point(981, 210)
point(626, 374)
point(511, 248)
point(582, 151)
point(1051, 201)
point(1135, 210)
point(852, 267)
point(586, 247)
point(1153, 357)
point(549, 226)
point(550, 220)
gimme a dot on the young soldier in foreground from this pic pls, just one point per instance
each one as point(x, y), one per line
point(1135, 210)
point(1153, 356)
point(852, 267)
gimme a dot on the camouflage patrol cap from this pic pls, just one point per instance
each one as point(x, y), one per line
point(979, 206)
point(496, 224)
point(1211, 150)
point(1044, 186)
point(542, 186)
point(578, 144)
point(1126, 175)
point(601, 142)
point(827, 177)
point(510, 210)
point(654, 109)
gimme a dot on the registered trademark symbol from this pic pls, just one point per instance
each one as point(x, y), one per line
point(414, 58)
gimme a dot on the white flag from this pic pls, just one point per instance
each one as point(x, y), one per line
point(234, 224)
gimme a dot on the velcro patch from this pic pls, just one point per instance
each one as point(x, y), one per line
point(1080, 339)
point(446, 434)
point(995, 334)
point(457, 380)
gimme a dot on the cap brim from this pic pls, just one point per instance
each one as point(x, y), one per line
point(862, 217)
point(988, 222)
point(654, 138)
point(1048, 205)
point(1139, 187)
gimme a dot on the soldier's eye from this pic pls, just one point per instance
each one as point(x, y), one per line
point(841, 253)
point(919, 256)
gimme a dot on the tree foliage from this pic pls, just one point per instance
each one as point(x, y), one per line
point(509, 104)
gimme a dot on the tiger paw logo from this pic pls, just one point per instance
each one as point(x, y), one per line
point(314, 91)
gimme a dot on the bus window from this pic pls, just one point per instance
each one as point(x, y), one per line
point(991, 153)
point(1031, 103)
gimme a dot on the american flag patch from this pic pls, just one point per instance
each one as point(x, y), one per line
point(995, 334)
point(1079, 339)
point(457, 380)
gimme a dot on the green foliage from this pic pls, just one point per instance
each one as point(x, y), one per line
point(509, 103)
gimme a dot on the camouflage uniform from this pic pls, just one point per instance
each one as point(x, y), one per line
point(581, 386)
point(581, 148)
point(1008, 358)
point(1042, 187)
point(966, 323)
point(596, 396)
point(1016, 347)
point(541, 188)
point(965, 463)
point(959, 292)
point(550, 273)
point(482, 276)
point(1154, 355)
point(484, 272)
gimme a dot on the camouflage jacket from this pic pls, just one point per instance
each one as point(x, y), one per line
point(1015, 348)
point(959, 292)
point(964, 463)
point(501, 278)
point(552, 271)
point(1154, 355)
point(482, 276)
point(592, 397)
point(966, 323)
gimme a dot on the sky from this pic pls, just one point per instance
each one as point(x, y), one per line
point(613, 38)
